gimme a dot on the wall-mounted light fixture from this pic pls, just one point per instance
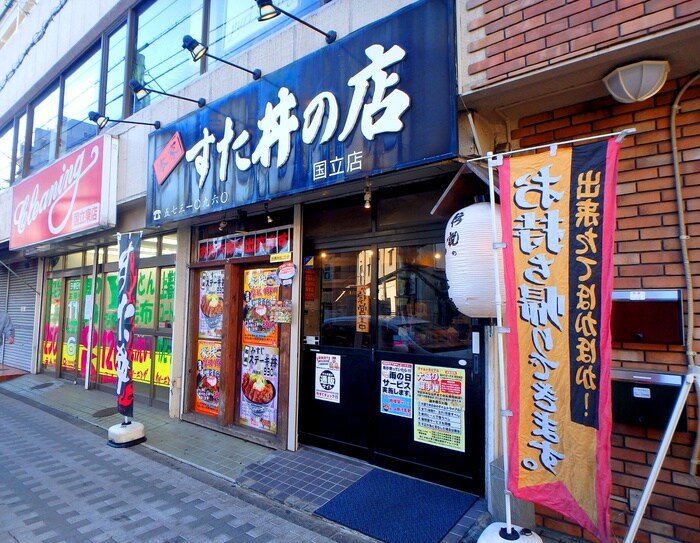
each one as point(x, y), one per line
point(141, 92)
point(269, 11)
point(101, 121)
point(268, 217)
point(637, 82)
point(198, 50)
point(368, 196)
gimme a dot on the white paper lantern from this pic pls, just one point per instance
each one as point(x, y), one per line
point(469, 264)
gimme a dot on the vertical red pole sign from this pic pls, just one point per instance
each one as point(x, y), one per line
point(127, 279)
point(558, 218)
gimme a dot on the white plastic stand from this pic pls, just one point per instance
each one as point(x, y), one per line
point(126, 434)
point(498, 531)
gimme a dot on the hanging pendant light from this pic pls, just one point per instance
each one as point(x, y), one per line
point(469, 260)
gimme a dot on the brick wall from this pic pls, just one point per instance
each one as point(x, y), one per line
point(647, 256)
point(518, 36)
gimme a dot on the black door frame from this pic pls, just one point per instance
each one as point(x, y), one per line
point(319, 421)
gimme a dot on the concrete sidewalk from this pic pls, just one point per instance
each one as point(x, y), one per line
point(303, 480)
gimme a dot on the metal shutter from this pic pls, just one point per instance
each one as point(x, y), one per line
point(19, 298)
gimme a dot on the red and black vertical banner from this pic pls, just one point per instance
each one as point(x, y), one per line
point(127, 280)
point(558, 218)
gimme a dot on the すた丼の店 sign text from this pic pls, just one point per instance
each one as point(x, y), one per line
point(359, 107)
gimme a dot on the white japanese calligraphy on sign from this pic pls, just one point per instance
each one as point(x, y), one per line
point(126, 310)
point(380, 114)
point(394, 104)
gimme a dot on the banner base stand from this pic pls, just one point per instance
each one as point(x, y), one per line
point(126, 434)
point(498, 532)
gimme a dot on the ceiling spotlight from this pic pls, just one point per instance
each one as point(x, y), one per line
point(269, 11)
point(101, 121)
point(141, 92)
point(222, 226)
point(198, 51)
point(368, 196)
point(267, 213)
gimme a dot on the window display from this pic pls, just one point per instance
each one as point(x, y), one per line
point(210, 323)
point(70, 315)
point(260, 360)
point(208, 393)
point(53, 322)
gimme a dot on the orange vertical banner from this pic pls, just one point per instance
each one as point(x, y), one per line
point(558, 219)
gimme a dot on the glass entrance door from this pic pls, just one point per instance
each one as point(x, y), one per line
point(337, 384)
point(52, 326)
point(71, 326)
point(388, 371)
point(430, 412)
point(61, 339)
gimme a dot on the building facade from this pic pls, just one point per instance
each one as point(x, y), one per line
point(292, 285)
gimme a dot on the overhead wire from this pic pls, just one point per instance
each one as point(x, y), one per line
point(35, 40)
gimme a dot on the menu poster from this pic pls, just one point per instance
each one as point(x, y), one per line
point(260, 293)
point(259, 382)
point(327, 377)
point(207, 390)
point(439, 404)
point(211, 303)
point(310, 284)
point(397, 389)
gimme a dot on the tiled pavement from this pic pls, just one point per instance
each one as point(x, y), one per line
point(303, 480)
point(61, 483)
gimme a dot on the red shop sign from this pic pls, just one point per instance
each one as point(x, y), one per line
point(75, 194)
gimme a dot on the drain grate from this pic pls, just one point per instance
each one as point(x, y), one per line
point(106, 412)
point(42, 385)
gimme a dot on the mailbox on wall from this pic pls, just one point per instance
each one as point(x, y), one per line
point(647, 399)
point(647, 316)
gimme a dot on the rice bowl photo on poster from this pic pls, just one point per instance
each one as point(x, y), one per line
point(207, 388)
point(259, 382)
point(211, 303)
point(260, 294)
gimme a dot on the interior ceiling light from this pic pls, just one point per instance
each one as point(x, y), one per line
point(368, 196)
point(269, 11)
point(199, 51)
point(141, 92)
point(637, 82)
point(101, 121)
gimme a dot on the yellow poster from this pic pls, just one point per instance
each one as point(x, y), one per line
point(439, 405)
point(260, 294)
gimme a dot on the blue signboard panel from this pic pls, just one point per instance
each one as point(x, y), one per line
point(380, 99)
